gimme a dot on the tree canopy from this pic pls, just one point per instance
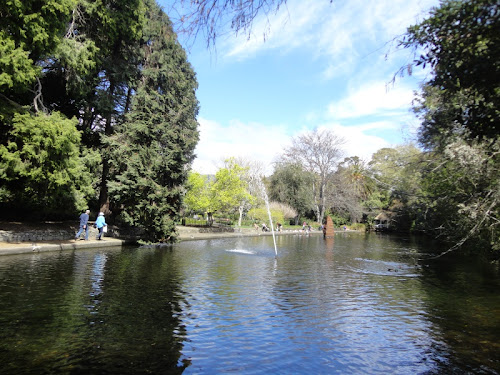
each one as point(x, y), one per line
point(94, 96)
point(151, 148)
point(460, 112)
point(460, 42)
point(318, 152)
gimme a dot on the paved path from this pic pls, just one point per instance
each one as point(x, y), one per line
point(185, 234)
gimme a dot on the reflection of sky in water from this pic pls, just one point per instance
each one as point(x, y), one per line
point(353, 304)
point(98, 274)
point(97, 278)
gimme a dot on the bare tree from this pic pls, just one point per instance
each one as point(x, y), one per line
point(214, 18)
point(319, 152)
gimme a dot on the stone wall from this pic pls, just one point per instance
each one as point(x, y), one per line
point(16, 232)
point(216, 229)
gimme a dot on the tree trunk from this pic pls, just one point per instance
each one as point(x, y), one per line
point(103, 195)
point(240, 209)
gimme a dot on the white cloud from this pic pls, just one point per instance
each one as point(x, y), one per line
point(347, 41)
point(262, 143)
point(372, 99)
point(253, 141)
point(341, 30)
point(357, 142)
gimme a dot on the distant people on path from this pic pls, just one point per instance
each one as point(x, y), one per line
point(100, 223)
point(265, 228)
point(278, 227)
point(306, 227)
point(84, 219)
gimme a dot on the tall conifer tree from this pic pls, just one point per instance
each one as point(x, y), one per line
point(155, 144)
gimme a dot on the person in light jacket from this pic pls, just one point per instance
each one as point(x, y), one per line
point(100, 223)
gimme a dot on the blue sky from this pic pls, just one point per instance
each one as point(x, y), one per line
point(322, 64)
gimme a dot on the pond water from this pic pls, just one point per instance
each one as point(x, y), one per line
point(355, 304)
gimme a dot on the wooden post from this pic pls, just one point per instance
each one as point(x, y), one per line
point(328, 230)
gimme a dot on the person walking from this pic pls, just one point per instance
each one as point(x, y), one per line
point(84, 219)
point(100, 223)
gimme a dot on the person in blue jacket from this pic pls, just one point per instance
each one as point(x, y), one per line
point(84, 218)
point(100, 223)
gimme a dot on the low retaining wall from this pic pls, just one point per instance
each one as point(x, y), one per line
point(35, 235)
point(15, 233)
point(217, 230)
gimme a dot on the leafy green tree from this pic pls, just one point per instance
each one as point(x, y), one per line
point(252, 174)
point(460, 42)
point(292, 185)
point(353, 190)
point(155, 144)
point(398, 171)
point(197, 198)
point(227, 193)
point(29, 31)
point(229, 188)
point(460, 116)
point(116, 29)
point(41, 173)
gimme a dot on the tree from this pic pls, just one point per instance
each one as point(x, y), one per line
point(252, 174)
point(290, 184)
point(29, 31)
point(226, 193)
point(41, 173)
point(68, 56)
point(197, 197)
point(317, 152)
point(229, 189)
point(155, 144)
point(398, 171)
point(352, 190)
point(460, 116)
point(461, 43)
point(211, 17)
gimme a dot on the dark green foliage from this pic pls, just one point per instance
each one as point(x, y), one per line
point(460, 111)
point(155, 144)
point(461, 42)
point(29, 31)
point(291, 184)
point(41, 173)
point(462, 195)
point(107, 65)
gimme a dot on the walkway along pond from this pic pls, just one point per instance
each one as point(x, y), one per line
point(354, 303)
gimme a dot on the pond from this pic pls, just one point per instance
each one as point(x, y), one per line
point(354, 304)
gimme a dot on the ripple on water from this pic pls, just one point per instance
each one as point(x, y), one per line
point(241, 251)
point(384, 268)
point(232, 306)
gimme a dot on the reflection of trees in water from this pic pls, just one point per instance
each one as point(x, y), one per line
point(93, 312)
point(140, 311)
point(463, 301)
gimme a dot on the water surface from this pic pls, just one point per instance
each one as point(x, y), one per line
point(353, 304)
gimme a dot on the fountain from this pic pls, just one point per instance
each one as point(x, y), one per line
point(266, 199)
